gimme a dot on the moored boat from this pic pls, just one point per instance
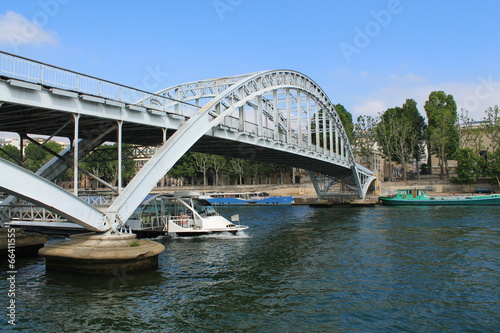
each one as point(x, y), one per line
point(180, 213)
point(417, 197)
point(247, 198)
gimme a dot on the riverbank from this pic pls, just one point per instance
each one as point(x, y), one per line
point(304, 194)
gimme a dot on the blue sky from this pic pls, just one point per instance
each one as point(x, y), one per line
point(366, 55)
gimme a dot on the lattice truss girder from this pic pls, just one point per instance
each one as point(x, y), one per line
point(356, 184)
point(28, 212)
point(128, 153)
point(281, 105)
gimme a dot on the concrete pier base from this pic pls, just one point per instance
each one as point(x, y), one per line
point(25, 243)
point(102, 254)
point(366, 202)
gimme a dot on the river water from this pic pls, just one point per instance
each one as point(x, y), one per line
point(297, 269)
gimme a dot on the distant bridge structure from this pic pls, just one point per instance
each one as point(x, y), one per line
point(276, 116)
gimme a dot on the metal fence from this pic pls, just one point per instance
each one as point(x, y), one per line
point(25, 69)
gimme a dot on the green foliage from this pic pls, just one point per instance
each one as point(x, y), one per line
point(425, 169)
point(400, 133)
point(260, 171)
point(202, 163)
point(442, 132)
point(492, 126)
point(346, 119)
point(184, 168)
point(238, 168)
point(108, 169)
point(365, 138)
point(493, 166)
point(36, 156)
point(417, 127)
point(470, 166)
point(10, 153)
point(218, 163)
point(135, 243)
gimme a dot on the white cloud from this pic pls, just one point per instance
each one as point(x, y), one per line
point(16, 30)
point(369, 107)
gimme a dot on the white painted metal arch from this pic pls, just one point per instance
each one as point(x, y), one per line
point(249, 90)
point(257, 84)
point(26, 185)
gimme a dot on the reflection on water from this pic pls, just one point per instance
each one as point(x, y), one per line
point(296, 269)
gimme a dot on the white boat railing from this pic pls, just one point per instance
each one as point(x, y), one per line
point(182, 221)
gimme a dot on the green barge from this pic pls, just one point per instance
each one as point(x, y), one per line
point(415, 197)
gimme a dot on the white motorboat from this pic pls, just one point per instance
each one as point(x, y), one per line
point(181, 213)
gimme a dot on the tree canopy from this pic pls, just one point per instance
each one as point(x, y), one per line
point(346, 119)
point(442, 131)
point(36, 157)
point(10, 153)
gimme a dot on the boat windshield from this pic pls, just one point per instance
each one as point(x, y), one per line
point(153, 210)
point(204, 208)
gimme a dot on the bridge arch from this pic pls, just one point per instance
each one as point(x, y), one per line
point(289, 108)
point(223, 94)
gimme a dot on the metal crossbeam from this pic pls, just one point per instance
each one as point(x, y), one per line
point(46, 195)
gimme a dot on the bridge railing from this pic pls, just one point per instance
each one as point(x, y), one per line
point(16, 67)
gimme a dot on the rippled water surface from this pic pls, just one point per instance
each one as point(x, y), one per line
point(297, 269)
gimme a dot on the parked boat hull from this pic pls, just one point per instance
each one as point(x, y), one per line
point(268, 201)
point(444, 201)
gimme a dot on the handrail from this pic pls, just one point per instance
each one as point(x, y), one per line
point(30, 70)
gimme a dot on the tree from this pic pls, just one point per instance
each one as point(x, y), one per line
point(107, 169)
point(384, 132)
point(494, 166)
point(347, 124)
point(346, 119)
point(365, 139)
point(36, 156)
point(218, 163)
point(260, 170)
point(202, 164)
point(470, 136)
point(416, 131)
point(10, 153)
point(442, 131)
point(401, 139)
point(469, 166)
point(238, 167)
point(492, 126)
point(400, 134)
point(183, 168)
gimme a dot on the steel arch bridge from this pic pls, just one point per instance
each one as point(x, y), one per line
point(277, 116)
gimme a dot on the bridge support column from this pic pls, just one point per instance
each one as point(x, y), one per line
point(75, 154)
point(119, 185)
point(102, 254)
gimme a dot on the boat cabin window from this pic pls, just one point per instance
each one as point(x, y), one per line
point(204, 208)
